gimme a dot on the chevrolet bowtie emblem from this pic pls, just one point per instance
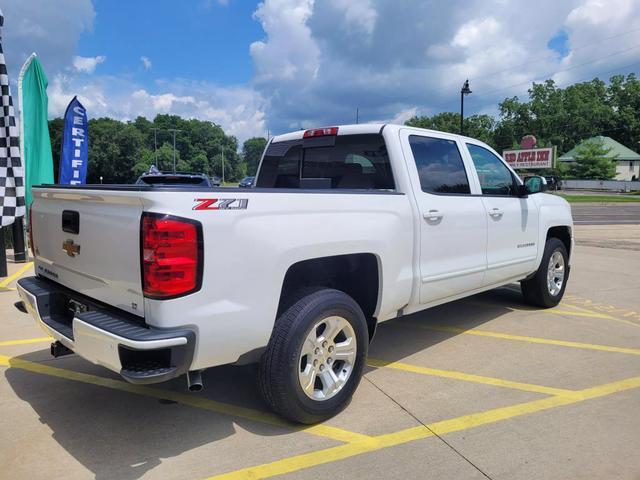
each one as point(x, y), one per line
point(71, 248)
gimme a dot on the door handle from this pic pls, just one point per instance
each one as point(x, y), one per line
point(433, 215)
point(495, 212)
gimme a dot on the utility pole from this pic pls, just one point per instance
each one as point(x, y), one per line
point(155, 147)
point(357, 115)
point(222, 164)
point(464, 91)
point(174, 130)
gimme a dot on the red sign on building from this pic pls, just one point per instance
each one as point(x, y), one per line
point(529, 158)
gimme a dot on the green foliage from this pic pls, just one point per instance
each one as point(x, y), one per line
point(556, 116)
point(476, 126)
point(598, 198)
point(252, 152)
point(121, 151)
point(593, 163)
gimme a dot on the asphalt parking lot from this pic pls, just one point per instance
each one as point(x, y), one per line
point(485, 387)
point(606, 214)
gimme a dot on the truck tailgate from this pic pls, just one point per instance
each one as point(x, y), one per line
point(89, 241)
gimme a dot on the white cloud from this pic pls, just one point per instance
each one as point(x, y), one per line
point(239, 110)
point(405, 115)
point(51, 29)
point(359, 15)
point(87, 64)
point(322, 60)
point(600, 12)
point(290, 54)
point(146, 63)
point(476, 32)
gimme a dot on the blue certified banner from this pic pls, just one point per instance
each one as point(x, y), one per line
point(75, 145)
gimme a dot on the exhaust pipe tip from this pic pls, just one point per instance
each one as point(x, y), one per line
point(20, 306)
point(194, 381)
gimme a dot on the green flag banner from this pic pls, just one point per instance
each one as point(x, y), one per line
point(36, 144)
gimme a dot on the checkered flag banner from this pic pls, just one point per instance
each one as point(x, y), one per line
point(12, 203)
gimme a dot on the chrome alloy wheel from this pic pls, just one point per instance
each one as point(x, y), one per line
point(555, 273)
point(327, 358)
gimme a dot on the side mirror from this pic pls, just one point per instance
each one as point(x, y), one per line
point(535, 184)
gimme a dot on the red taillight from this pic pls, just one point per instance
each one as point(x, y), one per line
point(171, 256)
point(33, 248)
point(320, 132)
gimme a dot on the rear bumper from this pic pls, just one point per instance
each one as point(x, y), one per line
point(106, 336)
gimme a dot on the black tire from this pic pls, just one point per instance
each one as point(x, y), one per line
point(535, 290)
point(280, 363)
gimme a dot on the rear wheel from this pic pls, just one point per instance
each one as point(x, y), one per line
point(546, 287)
point(315, 357)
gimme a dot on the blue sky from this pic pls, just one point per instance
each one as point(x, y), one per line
point(207, 41)
point(281, 65)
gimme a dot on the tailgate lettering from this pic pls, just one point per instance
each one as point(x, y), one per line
point(220, 204)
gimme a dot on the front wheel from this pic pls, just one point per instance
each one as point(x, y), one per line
point(315, 357)
point(546, 287)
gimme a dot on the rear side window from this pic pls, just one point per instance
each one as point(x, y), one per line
point(495, 178)
point(439, 164)
point(341, 162)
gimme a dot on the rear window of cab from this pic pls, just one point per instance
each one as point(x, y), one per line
point(359, 162)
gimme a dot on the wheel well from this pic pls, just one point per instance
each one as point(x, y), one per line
point(355, 274)
point(562, 233)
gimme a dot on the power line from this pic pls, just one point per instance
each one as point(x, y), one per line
point(540, 59)
point(591, 76)
point(174, 130)
point(549, 75)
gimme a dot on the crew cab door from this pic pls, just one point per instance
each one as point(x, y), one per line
point(512, 220)
point(453, 222)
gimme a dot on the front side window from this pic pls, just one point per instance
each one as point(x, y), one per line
point(495, 177)
point(439, 164)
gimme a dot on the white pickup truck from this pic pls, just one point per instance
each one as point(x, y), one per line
point(345, 227)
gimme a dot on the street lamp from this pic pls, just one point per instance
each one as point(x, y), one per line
point(464, 91)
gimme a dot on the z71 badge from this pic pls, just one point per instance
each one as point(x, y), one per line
point(220, 204)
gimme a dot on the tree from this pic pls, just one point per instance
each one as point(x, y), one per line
point(119, 151)
point(592, 161)
point(477, 126)
point(443, 122)
point(252, 152)
point(56, 127)
point(147, 158)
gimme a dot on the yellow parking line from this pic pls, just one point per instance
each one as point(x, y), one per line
point(319, 457)
point(580, 312)
point(521, 338)
point(26, 341)
point(577, 313)
point(326, 431)
point(406, 367)
point(497, 382)
point(583, 312)
point(16, 275)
